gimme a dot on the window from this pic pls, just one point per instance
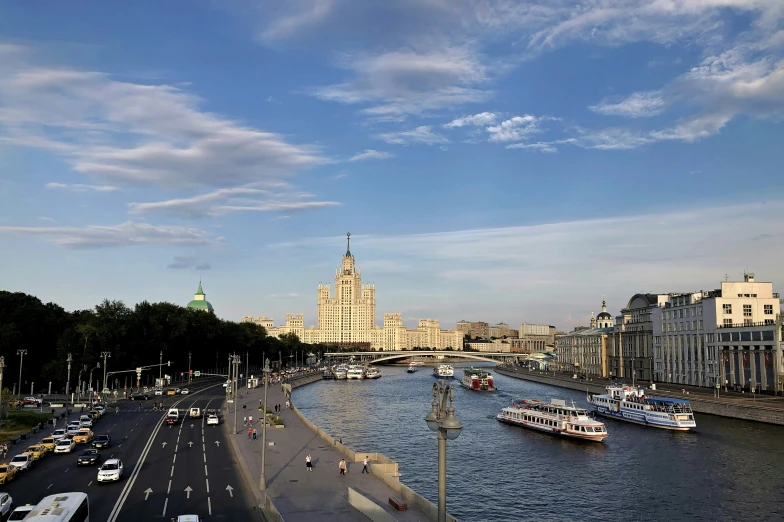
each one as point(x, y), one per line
point(728, 322)
point(727, 307)
point(747, 310)
point(768, 309)
point(747, 322)
point(680, 313)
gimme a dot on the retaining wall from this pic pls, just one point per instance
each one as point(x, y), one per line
point(699, 405)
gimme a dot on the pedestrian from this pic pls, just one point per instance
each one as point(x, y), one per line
point(250, 419)
point(245, 421)
point(254, 433)
point(288, 404)
point(250, 433)
point(364, 465)
point(277, 408)
point(342, 466)
point(308, 463)
point(5, 450)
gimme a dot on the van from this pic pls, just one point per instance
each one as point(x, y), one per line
point(195, 413)
point(174, 411)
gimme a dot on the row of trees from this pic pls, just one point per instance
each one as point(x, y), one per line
point(133, 337)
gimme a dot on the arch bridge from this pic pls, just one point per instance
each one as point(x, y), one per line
point(436, 355)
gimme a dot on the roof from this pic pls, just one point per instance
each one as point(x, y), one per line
point(666, 400)
point(604, 315)
point(201, 305)
point(199, 291)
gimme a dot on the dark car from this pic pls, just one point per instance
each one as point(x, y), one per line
point(89, 457)
point(139, 397)
point(172, 419)
point(102, 441)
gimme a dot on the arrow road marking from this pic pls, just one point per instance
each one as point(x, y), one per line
point(164, 445)
point(147, 493)
point(230, 490)
point(190, 444)
point(188, 492)
point(217, 442)
point(191, 425)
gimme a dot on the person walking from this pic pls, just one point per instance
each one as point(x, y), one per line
point(250, 420)
point(254, 433)
point(364, 465)
point(308, 463)
point(342, 466)
point(245, 421)
point(288, 404)
point(250, 433)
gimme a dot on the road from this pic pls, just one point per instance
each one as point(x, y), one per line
point(137, 439)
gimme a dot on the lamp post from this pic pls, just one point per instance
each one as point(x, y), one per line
point(2, 367)
point(442, 420)
point(21, 353)
point(263, 480)
point(90, 385)
point(104, 355)
point(68, 382)
point(236, 362)
point(160, 368)
point(189, 367)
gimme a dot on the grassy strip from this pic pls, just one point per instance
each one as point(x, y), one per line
point(19, 422)
point(273, 418)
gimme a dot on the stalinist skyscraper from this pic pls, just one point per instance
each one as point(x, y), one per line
point(348, 319)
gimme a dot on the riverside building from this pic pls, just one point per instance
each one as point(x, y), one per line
point(348, 319)
point(583, 351)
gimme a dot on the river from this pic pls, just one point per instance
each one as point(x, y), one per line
point(725, 470)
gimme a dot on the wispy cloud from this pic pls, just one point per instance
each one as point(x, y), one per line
point(638, 105)
point(79, 187)
point(539, 146)
point(296, 15)
point(47, 219)
point(481, 119)
point(370, 154)
point(422, 134)
point(124, 234)
point(284, 296)
point(188, 263)
point(516, 128)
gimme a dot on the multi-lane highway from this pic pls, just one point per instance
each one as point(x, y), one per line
point(168, 471)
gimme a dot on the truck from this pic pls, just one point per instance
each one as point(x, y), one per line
point(195, 413)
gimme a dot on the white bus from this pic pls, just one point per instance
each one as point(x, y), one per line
point(63, 507)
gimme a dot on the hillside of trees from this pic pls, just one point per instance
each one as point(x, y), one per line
point(134, 337)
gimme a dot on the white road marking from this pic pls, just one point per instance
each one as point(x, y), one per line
point(208, 485)
point(50, 485)
point(205, 470)
point(209, 506)
point(89, 483)
point(174, 459)
point(205, 458)
point(165, 503)
point(169, 488)
point(66, 470)
point(172, 472)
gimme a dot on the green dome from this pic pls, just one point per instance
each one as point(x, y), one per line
point(201, 305)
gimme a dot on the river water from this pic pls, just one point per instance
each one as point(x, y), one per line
point(725, 470)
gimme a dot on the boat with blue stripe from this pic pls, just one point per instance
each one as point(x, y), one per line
point(631, 404)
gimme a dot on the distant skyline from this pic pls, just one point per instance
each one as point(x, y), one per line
point(498, 160)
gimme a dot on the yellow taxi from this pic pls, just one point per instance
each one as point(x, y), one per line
point(96, 414)
point(84, 436)
point(36, 450)
point(7, 473)
point(48, 443)
point(171, 392)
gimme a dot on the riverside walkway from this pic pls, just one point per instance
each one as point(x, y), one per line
point(299, 495)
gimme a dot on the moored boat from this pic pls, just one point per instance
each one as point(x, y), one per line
point(477, 379)
point(444, 371)
point(631, 404)
point(341, 372)
point(555, 418)
point(355, 372)
point(411, 368)
point(373, 373)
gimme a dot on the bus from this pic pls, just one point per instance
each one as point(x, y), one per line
point(62, 507)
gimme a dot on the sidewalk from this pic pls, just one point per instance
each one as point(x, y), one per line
point(299, 495)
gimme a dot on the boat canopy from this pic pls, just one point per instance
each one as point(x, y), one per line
point(665, 400)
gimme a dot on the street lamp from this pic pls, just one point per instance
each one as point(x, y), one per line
point(2, 367)
point(160, 368)
point(442, 420)
point(189, 367)
point(263, 480)
point(21, 353)
point(98, 365)
point(104, 355)
point(68, 382)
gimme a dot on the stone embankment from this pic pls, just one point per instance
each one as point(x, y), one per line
point(733, 407)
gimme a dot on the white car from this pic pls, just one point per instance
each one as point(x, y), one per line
point(158, 391)
point(20, 512)
point(85, 421)
point(64, 446)
point(6, 505)
point(101, 410)
point(22, 461)
point(184, 391)
point(212, 420)
point(111, 471)
point(188, 518)
point(177, 390)
point(59, 433)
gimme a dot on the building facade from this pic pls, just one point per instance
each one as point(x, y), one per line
point(584, 350)
point(347, 319)
point(630, 345)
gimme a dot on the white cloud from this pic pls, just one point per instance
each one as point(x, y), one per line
point(291, 295)
point(539, 146)
point(48, 219)
point(638, 105)
point(225, 201)
point(517, 128)
point(124, 234)
point(481, 119)
point(422, 134)
point(79, 187)
point(188, 262)
point(370, 154)
point(297, 15)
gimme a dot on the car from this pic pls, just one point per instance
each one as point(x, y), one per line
point(6, 504)
point(20, 512)
point(158, 391)
point(89, 457)
point(36, 451)
point(59, 433)
point(102, 441)
point(48, 443)
point(212, 420)
point(170, 392)
point(172, 419)
point(194, 413)
point(184, 391)
point(85, 421)
point(176, 390)
point(188, 518)
point(101, 409)
point(84, 436)
point(31, 400)
point(96, 415)
point(23, 461)
point(7, 473)
point(111, 471)
point(64, 446)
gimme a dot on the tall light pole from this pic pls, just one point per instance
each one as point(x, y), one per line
point(104, 355)
point(2, 367)
point(160, 368)
point(236, 363)
point(91, 381)
point(263, 480)
point(68, 382)
point(21, 353)
point(442, 420)
point(189, 367)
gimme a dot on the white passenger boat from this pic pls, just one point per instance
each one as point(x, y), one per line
point(554, 417)
point(411, 368)
point(629, 403)
point(477, 379)
point(416, 363)
point(444, 371)
point(373, 373)
point(355, 372)
point(341, 372)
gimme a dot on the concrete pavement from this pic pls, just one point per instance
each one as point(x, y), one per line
point(299, 495)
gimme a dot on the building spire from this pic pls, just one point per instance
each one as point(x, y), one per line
point(199, 291)
point(604, 305)
point(348, 244)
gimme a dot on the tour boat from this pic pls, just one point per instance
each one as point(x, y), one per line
point(554, 417)
point(416, 363)
point(355, 372)
point(341, 372)
point(629, 403)
point(411, 368)
point(477, 379)
point(373, 373)
point(444, 371)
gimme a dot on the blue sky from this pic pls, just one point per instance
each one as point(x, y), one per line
point(493, 160)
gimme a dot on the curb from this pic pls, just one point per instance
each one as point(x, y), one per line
point(246, 474)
